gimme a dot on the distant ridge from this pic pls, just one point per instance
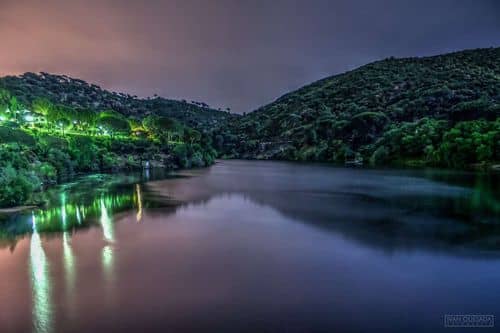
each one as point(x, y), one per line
point(61, 89)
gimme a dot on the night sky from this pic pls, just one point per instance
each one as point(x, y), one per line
point(230, 53)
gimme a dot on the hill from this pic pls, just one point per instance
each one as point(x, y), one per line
point(440, 110)
point(78, 94)
point(54, 127)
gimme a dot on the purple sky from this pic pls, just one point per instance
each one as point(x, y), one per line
point(230, 53)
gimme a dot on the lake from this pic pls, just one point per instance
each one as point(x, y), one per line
point(254, 246)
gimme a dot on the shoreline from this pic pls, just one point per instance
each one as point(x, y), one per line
point(8, 211)
point(17, 209)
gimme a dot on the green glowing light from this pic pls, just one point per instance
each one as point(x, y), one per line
point(106, 223)
point(29, 118)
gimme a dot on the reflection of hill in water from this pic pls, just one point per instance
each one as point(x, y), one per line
point(390, 210)
point(78, 205)
point(387, 209)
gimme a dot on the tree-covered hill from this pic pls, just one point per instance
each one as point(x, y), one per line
point(440, 110)
point(78, 94)
point(53, 128)
point(437, 111)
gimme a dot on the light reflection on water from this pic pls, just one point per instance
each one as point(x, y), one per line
point(107, 257)
point(139, 202)
point(42, 308)
point(69, 271)
point(107, 252)
point(303, 241)
point(65, 216)
point(106, 223)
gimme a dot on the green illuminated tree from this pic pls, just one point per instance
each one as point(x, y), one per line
point(4, 103)
point(15, 107)
point(62, 124)
point(159, 127)
point(85, 120)
point(42, 106)
point(114, 124)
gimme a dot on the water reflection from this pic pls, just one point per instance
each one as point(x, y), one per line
point(107, 255)
point(107, 260)
point(394, 209)
point(106, 223)
point(268, 235)
point(389, 209)
point(139, 202)
point(71, 215)
point(70, 208)
point(42, 307)
point(108, 251)
point(69, 271)
point(77, 205)
point(78, 215)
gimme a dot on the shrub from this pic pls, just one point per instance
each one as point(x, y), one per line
point(470, 142)
point(9, 135)
point(197, 160)
point(46, 172)
point(62, 161)
point(16, 185)
point(380, 156)
point(84, 153)
point(109, 161)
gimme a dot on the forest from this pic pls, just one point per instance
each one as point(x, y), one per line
point(440, 111)
point(42, 143)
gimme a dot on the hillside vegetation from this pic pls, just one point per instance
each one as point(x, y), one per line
point(80, 95)
point(50, 134)
point(437, 111)
point(442, 110)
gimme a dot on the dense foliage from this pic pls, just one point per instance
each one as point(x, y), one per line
point(82, 96)
point(43, 142)
point(440, 110)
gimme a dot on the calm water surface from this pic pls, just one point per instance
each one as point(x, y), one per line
point(249, 246)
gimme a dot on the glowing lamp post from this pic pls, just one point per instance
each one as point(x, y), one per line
point(30, 119)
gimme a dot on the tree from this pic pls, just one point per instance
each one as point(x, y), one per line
point(16, 185)
point(191, 135)
point(114, 124)
point(84, 119)
point(84, 152)
point(15, 107)
point(158, 126)
point(4, 103)
point(42, 106)
point(150, 124)
point(62, 124)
